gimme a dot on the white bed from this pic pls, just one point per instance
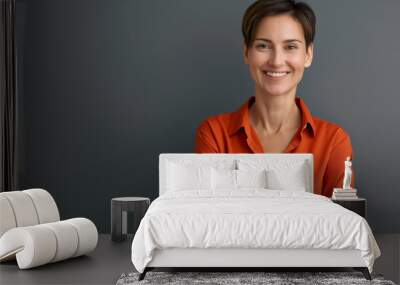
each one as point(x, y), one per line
point(208, 226)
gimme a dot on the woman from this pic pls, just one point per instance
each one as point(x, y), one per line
point(278, 46)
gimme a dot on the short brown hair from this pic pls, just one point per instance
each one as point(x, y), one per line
point(300, 11)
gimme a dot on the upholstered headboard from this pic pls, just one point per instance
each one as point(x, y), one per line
point(233, 160)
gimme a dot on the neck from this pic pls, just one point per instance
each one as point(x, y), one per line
point(274, 114)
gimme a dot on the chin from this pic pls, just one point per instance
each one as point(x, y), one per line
point(277, 92)
point(276, 88)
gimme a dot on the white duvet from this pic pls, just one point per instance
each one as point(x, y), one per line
point(251, 218)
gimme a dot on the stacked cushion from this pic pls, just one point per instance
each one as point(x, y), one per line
point(26, 208)
point(41, 244)
point(7, 218)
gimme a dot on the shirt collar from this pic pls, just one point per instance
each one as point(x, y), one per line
point(306, 117)
point(240, 118)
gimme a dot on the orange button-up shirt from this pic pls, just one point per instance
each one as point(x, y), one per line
point(328, 142)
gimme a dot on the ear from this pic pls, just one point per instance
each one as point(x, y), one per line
point(309, 55)
point(245, 53)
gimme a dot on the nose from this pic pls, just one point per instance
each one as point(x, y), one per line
point(277, 58)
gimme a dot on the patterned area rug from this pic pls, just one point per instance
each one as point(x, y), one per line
point(230, 278)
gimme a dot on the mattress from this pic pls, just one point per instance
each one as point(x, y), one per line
point(251, 219)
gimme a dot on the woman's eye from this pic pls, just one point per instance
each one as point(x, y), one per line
point(262, 46)
point(291, 47)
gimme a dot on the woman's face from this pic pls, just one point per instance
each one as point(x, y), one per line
point(278, 55)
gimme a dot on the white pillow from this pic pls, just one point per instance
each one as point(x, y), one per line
point(282, 174)
point(251, 178)
point(219, 163)
point(188, 177)
point(293, 179)
point(236, 179)
point(269, 163)
point(223, 179)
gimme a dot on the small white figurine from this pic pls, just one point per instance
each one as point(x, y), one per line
point(347, 174)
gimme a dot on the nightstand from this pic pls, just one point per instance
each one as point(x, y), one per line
point(119, 208)
point(358, 205)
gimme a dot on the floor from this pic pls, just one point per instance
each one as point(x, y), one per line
point(103, 266)
point(110, 260)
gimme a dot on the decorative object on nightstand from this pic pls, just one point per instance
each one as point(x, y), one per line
point(119, 208)
point(346, 192)
point(358, 205)
point(347, 196)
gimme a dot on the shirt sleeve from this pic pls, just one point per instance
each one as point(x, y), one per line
point(334, 174)
point(205, 140)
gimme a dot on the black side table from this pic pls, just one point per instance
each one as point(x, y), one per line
point(119, 208)
point(358, 205)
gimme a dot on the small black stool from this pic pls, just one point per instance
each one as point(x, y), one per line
point(119, 208)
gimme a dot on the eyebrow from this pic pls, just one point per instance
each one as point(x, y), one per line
point(285, 41)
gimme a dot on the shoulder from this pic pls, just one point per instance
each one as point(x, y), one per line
point(228, 122)
point(330, 131)
point(215, 123)
point(212, 134)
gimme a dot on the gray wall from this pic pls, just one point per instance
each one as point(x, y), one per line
point(105, 86)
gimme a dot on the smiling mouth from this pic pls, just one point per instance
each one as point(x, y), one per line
point(276, 74)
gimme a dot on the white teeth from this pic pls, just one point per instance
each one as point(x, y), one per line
point(276, 74)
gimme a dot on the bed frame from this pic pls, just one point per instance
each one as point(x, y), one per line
point(248, 259)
